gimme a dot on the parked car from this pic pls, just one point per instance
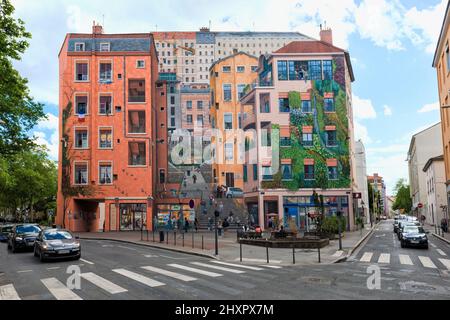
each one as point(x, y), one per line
point(414, 236)
point(234, 193)
point(396, 224)
point(57, 244)
point(5, 230)
point(23, 236)
point(404, 224)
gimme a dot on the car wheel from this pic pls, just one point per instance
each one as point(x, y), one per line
point(35, 252)
point(41, 257)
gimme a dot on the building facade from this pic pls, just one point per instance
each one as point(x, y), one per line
point(106, 99)
point(378, 185)
point(195, 109)
point(424, 145)
point(298, 135)
point(441, 62)
point(436, 190)
point(361, 180)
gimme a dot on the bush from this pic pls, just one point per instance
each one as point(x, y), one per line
point(330, 224)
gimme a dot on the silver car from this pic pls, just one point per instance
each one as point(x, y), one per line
point(234, 193)
point(57, 244)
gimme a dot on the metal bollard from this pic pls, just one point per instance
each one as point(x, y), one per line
point(147, 235)
point(293, 255)
point(192, 239)
point(153, 234)
point(175, 238)
point(267, 252)
point(240, 251)
point(318, 249)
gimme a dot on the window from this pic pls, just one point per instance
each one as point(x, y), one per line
point(105, 47)
point(245, 173)
point(331, 138)
point(286, 171)
point(229, 151)
point(306, 106)
point(265, 106)
point(81, 71)
point(140, 64)
point(267, 173)
point(105, 72)
point(137, 122)
point(81, 106)
point(227, 92)
point(81, 173)
point(239, 116)
point(189, 118)
point(266, 137)
point(105, 107)
point(162, 176)
point(447, 53)
point(254, 68)
point(240, 90)
point(327, 70)
point(81, 138)
point(136, 90)
point(285, 142)
point(200, 120)
point(307, 139)
point(228, 121)
point(172, 111)
point(298, 70)
point(105, 138)
point(332, 173)
point(200, 105)
point(79, 47)
point(329, 105)
point(255, 172)
point(137, 154)
point(189, 105)
point(226, 69)
point(105, 172)
point(309, 172)
point(315, 70)
point(283, 103)
point(282, 70)
point(172, 90)
point(240, 69)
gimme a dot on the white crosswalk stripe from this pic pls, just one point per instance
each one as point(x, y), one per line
point(237, 265)
point(270, 266)
point(139, 278)
point(427, 263)
point(171, 274)
point(103, 283)
point(195, 270)
point(86, 261)
point(433, 245)
point(445, 262)
point(384, 258)
point(367, 256)
point(59, 290)
point(405, 259)
point(338, 253)
point(442, 253)
point(217, 267)
point(8, 292)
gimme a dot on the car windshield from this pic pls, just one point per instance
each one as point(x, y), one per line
point(28, 229)
point(57, 235)
point(413, 230)
point(6, 229)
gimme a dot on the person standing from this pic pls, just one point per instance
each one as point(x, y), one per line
point(210, 223)
point(186, 225)
point(196, 224)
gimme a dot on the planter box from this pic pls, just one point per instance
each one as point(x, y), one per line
point(287, 243)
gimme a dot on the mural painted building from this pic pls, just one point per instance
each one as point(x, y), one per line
point(361, 180)
point(299, 135)
point(377, 183)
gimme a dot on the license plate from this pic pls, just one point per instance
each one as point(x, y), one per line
point(414, 241)
point(63, 251)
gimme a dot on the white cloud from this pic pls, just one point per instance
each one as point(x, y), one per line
point(387, 111)
point(429, 107)
point(362, 133)
point(51, 143)
point(51, 123)
point(363, 108)
point(391, 167)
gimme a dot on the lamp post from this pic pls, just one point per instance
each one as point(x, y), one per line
point(216, 236)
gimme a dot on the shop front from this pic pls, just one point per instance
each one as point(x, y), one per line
point(133, 216)
point(172, 216)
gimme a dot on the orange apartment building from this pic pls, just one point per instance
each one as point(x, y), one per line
point(229, 78)
point(195, 108)
point(441, 62)
point(107, 111)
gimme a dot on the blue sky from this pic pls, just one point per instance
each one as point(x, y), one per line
point(391, 44)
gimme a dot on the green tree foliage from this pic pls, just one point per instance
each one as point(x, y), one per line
point(402, 197)
point(18, 112)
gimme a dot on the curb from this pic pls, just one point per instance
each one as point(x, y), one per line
point(441, 238)
point(358, 244)
point(154, 246)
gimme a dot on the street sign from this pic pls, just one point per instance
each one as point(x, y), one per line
point(420, 206)
point(191, 204)
point(357, 195)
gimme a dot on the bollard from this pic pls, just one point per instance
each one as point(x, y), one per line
point(183, 239)
point(142, 235)
point(153, 235)
point(175, 238)
point(318, 249)
point(147, 235)
point(240, 251)
point(293, 255)
point(192, 239)
point(267, 252)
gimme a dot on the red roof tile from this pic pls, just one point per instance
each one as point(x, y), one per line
point(309, 47)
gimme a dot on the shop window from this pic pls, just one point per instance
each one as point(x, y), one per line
point(133, 216)
point(137, 154)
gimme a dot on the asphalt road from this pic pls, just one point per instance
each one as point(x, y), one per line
point(110, 270)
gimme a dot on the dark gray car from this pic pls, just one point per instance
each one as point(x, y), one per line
point(57, 244)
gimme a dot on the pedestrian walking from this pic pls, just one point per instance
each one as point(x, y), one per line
point(186, 225)
point(196, 224)
point(210, 223)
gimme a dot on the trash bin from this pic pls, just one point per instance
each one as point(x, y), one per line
point(161, 236)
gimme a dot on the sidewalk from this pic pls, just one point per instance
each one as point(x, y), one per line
point(443, 236)
point(229, 249)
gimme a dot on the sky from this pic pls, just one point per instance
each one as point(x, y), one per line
point(391, 44)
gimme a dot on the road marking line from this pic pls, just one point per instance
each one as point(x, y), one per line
point(86, 261)
point(427, 263)
point(132, 249)
point(405, 259)
point(59, 290)
point(150, 256)
point(367, 256)
point(139, 278)
point(195, 270)
point(433, 245)
point(338, 253)
point(445, 262)
point(107, 246)
point(217, 267)
point(442, 253)
point(103, 283)
point(53, 268)
point(23, 271)
point(384, 258)
point(8, 293)
point(237, 265)
point(169, 273)
point(269, 266)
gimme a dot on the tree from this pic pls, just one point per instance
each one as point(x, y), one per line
point(403, 199)
point(18, 112)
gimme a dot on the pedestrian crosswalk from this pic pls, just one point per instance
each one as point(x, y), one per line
point(404, 259)
point(118, 280)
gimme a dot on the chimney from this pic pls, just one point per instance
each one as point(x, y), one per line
point(204, 29)
point(326, 35)
point(97, 28)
